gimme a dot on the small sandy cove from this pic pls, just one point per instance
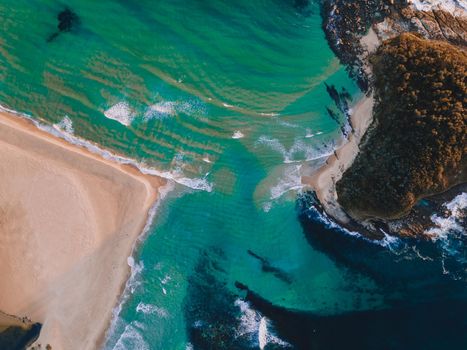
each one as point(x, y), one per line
point(69, 220)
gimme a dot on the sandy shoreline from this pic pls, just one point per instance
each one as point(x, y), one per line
point(323, 180)
point(69, 221)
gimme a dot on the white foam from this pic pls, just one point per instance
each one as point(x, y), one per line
point(136, 269)
point(449, 235)
point(166, 279)
point(291, 180)
point(237, 135)
point(131, 338)
point(65, 125)
point(392, 243)
point(453, 223)
point(263, 333)
point(267, 206)
point(297, 153)
point(149, 309)
point(176, 176)
point(161, 110)
point(253, 324)
point(121, 112)
point(310, 134)
point(272, 114)
point(195, 184)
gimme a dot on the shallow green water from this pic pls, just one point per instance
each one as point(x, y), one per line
point(229, 98)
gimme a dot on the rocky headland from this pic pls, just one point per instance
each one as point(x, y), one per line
point(406, 152)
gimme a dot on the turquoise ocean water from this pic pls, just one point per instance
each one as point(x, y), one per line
point(228, 100)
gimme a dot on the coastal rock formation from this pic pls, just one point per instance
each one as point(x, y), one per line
point(420, 88)
point(435, 22)
point(415, 145)
point(346, 22)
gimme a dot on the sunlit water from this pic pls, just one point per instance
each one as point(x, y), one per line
point(227, 98)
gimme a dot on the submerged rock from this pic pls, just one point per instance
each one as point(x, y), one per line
point(67, 21)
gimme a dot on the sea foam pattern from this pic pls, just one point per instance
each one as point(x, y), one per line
point(65, 125)
point(450, 235)
point(121, 112)
point(299, 151)
point(132, 338)
point(256, 326)
point(56, 130)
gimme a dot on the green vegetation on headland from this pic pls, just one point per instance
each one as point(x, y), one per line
point(416, 144)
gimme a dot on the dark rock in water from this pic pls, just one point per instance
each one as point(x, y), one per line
point(344, 22)
point(211, 314)
point(267, 267)
point(341, 101)
point(67, 21)
point(17, 338)
point(439, 325)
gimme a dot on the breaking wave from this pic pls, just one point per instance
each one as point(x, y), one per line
point(131, 338)
point(298, 152)
point(449, 234)
point(256, 327)
point(175, 176)
point(150, 309)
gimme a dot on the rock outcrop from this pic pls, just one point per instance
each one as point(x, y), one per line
point(415, 148)
point(417, 143)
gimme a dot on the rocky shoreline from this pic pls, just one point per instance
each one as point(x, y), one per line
point(345, 24)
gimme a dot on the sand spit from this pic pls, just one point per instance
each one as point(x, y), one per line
point(69, 220)
point(323, 181)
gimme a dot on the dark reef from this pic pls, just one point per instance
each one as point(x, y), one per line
point(392, 328)
point(67, 21)
point(212, 318)
point(267, 267)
